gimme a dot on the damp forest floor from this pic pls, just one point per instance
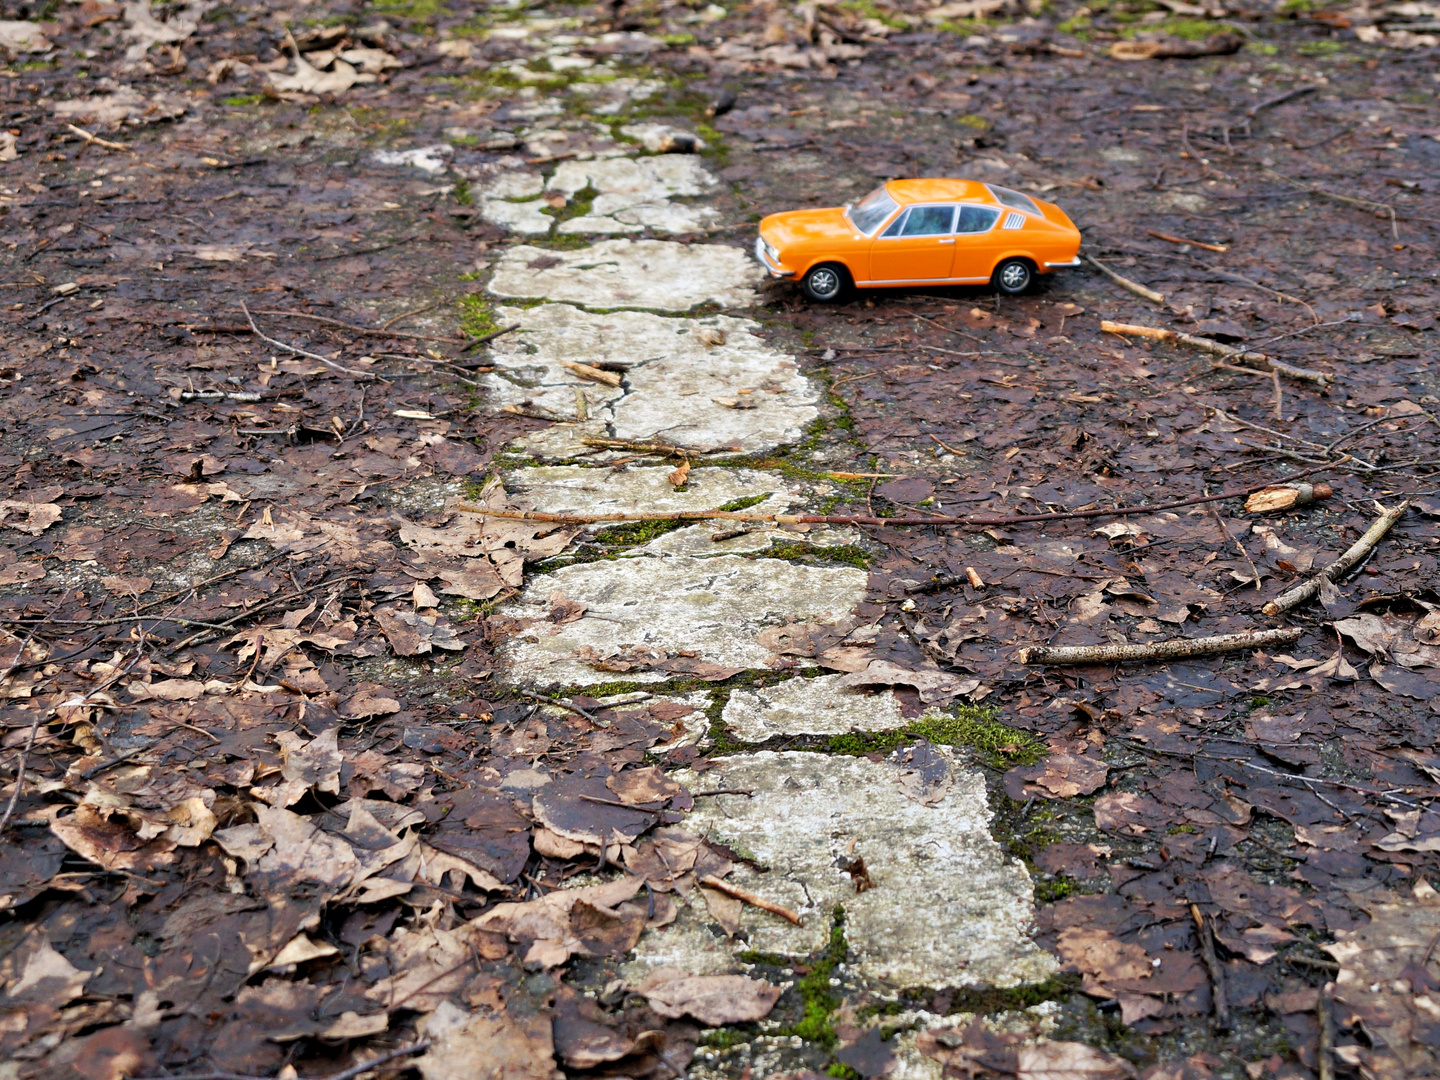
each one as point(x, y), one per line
point(199, 520)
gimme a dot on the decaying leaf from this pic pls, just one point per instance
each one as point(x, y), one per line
point(711, 999)
point(465, 1045)
point(925, 773)
point(546, 922)
point(1059, 776)
point(412, 634)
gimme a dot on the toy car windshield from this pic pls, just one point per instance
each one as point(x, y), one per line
point(869, 212)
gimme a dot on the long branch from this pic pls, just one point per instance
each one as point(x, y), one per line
point(1337, 569)
point(859, 519)
point(1218, 349)
point(1174, 649)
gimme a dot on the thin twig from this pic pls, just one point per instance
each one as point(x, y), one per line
point(363, 331)
point(490, 336)
point(1337, 569)
point(97, 140)
point(559, 704)
point(710, 881)
point(345, 1074)
point(1126, 284)
point(1225, 529)
point(301, 352)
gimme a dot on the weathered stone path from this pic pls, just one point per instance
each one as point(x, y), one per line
point(948, 907)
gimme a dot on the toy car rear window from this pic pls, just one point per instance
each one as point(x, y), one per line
point(1013, 199)
point(976, 219)
point(869, 212)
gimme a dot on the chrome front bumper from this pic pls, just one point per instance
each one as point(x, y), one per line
point(774, 269)
point(1065, 265)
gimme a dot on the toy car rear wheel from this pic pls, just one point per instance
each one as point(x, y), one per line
point(825, 283)
point(1013, 277)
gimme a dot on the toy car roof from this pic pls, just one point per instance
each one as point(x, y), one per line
point(937, 190)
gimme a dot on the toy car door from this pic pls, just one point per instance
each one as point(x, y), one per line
point(977, 242)
point(917, 246)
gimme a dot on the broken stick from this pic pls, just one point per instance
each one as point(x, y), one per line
point(1341, 566)
point(594, 374)
point(1212, 964)
point(710, 881)
point(1126, 284)
point(1174, 649)
point(97, 140)
point(1217, 348)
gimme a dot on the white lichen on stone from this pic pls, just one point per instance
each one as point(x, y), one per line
point(819, 706)
point(947, 908)
point(659, 274)
point(633, 194)
point(711, 608)
point(738, 392)
point(570, 489)
point(511, 200)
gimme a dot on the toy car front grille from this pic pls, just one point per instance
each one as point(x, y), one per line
point(1014, 221)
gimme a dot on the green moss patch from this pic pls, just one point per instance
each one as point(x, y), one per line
point(974, 726)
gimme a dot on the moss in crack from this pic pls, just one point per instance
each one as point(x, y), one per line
point(817, 1000)
point(477, 315)
point(736, 505)
point(975, 726)
point(577, 206)
point(1052, 892)
point(637, 532)
point(847, 554)
point(992, 1000)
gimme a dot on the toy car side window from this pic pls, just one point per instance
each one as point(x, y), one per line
point(928, 221)
point(896, 225)
point(976, 219)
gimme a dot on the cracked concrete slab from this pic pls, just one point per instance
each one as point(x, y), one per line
point(819, 706)
point(700, 383)
point(574, 489)
point(511, 200)
point(635, 193)
point(659, 274)
point(948, 908)
point(699, 539)
point(711, 608)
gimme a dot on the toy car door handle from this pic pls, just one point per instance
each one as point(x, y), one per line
point(950, 241)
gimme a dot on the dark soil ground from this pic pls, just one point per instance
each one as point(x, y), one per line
point(1279, 792)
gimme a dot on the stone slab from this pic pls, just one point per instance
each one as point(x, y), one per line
point(575, 489)
point(819, 706)
point(656, 274)
point(738, 392)
point(634, 193)
point(714, 608)
point(948, 908)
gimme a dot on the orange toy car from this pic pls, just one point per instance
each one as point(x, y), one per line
point(920, 232)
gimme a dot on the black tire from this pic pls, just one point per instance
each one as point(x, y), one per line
point(825, 283)
point(1013, 277)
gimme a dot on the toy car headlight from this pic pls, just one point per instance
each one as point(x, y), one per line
point(772, 251)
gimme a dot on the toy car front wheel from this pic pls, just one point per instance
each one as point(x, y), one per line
point(1013, 277)
point(825, 283)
